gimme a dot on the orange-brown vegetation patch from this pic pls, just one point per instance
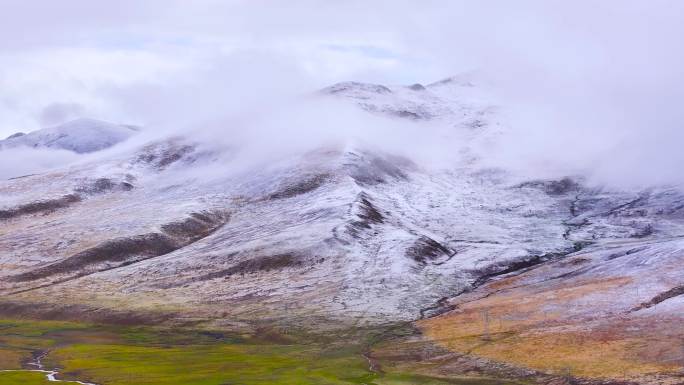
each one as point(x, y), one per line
point(548, 328)
point(11, 358)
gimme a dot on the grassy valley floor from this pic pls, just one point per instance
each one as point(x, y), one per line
point(113, 355)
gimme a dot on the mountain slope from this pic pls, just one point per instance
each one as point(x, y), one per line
point(348, 236)
point(79, 136)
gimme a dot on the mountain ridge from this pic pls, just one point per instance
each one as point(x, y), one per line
point(81, 136)
point(343, 236)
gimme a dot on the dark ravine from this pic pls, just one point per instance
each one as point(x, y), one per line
point(124, 251)
point(257, 264)
point(118, 250)
point(519, 266)
point(300, 187)
point(438, 308)
point(483, 276)
point(426, 249)
point(42, 206)
point(367, 216)
point(664, 296)
point(80, 193)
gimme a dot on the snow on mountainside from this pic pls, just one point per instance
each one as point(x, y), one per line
point(79, 136)
point(450, 100)
point(337, 236)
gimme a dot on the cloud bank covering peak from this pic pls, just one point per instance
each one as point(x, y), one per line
point(587, 86)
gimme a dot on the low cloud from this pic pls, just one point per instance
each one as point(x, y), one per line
point(20, 161)
point(57, 113)
point(583, 87)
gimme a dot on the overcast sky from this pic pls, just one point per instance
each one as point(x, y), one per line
point(575, 69)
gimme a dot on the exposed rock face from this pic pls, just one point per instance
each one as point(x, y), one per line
point(346, 87)
point(426, 249)
point(18, 134)
point(302, 186)
point(161, 155)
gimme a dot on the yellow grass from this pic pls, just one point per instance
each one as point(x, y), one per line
point(11, 359)
point(528, 327)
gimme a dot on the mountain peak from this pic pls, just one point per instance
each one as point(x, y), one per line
point(459, 80)
point(346, 87)
point(83, 135)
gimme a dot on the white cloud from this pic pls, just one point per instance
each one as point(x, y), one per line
point(587, 85)
point(21, 161)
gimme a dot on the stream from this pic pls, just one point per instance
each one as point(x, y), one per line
point(50, 375)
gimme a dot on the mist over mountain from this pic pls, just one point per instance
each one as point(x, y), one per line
point(382, 193)
point(79, 136)
point(333, 222)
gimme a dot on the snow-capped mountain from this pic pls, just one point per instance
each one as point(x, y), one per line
point(452, 100)
point(79, 136)
point(333, 236)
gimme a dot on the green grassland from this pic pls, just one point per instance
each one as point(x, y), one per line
point(112, 355)
point(19, 378)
